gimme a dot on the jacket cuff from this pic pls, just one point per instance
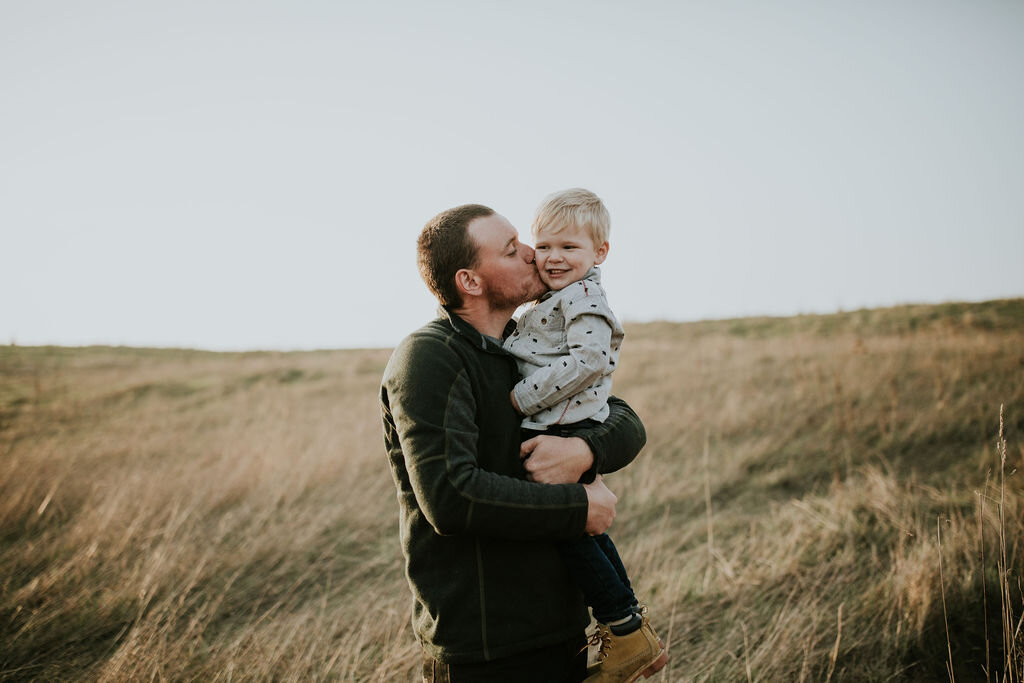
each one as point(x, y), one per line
point(591, 474)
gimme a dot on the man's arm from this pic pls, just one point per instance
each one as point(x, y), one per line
point(602, 449)
point(428, 400)
point(616, 441)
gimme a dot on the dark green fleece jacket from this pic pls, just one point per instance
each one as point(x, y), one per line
point(478, 539)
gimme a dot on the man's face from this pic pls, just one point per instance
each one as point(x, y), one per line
point(505, 265)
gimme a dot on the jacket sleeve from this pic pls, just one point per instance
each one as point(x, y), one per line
point(589, 338)
point(614, 442)
point(432, 410)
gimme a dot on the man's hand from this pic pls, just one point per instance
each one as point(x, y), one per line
point(601, 507)
point(556, 460)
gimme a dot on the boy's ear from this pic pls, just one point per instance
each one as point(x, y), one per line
point(468, 282)
point(600, 254)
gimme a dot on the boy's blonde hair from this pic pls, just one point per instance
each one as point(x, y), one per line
point(573, 207)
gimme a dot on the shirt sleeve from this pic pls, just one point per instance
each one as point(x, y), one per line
point(588, 334)
point(432, 408)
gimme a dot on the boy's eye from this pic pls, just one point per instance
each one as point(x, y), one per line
point(541, 247)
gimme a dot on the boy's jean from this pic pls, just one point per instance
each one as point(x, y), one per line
point(593, 562)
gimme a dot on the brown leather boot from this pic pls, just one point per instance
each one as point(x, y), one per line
point(623, 659)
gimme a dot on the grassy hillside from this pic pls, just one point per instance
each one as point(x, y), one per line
point(814, 491)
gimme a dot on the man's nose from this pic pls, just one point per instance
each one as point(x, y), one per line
point(527, 253)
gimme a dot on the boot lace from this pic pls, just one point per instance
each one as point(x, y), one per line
point(600, 638)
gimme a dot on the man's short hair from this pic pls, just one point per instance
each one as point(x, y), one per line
point(573, 207)
point(445, 247)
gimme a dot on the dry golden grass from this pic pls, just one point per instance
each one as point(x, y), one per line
point(813, 489)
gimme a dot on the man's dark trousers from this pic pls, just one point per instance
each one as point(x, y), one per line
point(562, 663)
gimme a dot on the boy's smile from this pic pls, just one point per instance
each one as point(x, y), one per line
point(565, 257)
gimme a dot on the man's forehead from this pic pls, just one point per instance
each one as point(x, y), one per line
point(493, 231)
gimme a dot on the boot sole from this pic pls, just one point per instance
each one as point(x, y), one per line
point(655, 666)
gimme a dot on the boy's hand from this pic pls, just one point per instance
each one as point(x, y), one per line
point(556, 460)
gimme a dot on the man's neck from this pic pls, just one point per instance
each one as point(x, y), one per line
point(484, 319)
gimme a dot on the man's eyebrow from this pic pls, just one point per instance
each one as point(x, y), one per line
point(511, 240)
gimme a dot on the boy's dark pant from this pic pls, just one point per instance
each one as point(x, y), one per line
point(592, 561)
point(596, 568)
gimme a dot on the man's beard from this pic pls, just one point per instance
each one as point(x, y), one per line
point(500, 298)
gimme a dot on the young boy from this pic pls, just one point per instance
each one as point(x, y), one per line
point(566, 347)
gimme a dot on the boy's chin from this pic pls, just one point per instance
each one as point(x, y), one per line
point(552, 287)
point(537, 295)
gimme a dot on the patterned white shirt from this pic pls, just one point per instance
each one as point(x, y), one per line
point(566, 347)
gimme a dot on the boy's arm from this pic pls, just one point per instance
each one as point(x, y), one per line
point(429, 415)
point(589, 339)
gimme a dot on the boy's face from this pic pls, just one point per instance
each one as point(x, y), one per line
point(565, 257)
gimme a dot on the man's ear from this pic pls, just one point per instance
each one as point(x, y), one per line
point(468, 282)
point(600, 254)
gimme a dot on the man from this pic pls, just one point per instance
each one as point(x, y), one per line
point(479, 513)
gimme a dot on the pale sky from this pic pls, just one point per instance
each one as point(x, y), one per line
point(243, 175)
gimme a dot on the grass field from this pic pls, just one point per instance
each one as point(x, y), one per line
point(822, 498)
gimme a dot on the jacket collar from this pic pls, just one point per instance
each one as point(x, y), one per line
point(474, 336)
